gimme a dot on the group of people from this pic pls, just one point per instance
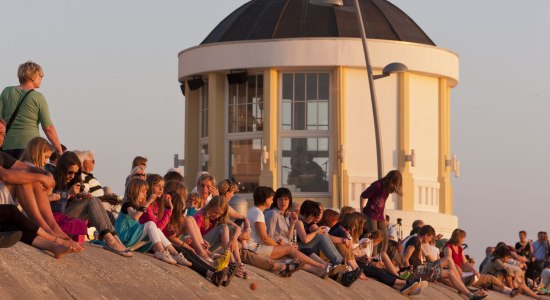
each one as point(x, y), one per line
point(49, 197)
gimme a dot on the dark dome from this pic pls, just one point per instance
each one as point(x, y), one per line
point(278, 19)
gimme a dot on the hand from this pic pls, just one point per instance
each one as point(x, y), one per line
point(233, 245)
point(213, 190)
point(293, 217)
point(378, 265)
point(346, 242)
point(320, 230)
point(245, 236)
point(168, 201)
point(187, 240)
point(74, 189)
point(54, 197)
point(47, 181)
point(205, 244)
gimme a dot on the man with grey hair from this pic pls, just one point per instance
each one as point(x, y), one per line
point(90, 183)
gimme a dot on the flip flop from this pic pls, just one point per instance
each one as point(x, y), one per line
point(9, 238)
point(124, 253)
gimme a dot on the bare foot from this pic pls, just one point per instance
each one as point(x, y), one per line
point(59, 250)
point(76, 247)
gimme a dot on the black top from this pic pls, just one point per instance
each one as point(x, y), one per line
point(414, 260)
point(6, 161)
point(524, 250)
point(278, 19)
point(126, 205)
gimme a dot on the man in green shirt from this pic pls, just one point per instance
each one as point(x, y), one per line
point(33, 111)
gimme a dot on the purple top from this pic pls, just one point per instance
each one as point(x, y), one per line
point(377, 201)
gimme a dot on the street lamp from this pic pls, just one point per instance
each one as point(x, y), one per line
point(391, 68)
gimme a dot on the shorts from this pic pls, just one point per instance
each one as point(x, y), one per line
point(260, 249)
point(213, 236)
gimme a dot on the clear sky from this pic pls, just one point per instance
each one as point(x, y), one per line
point(111, 83)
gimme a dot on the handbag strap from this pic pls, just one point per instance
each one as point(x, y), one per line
point(16, 111)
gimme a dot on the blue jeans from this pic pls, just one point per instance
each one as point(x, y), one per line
point(323, 243)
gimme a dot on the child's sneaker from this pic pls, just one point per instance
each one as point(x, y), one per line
point(165, 256)
point(181, 260)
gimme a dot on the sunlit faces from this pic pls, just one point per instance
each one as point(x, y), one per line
point(142, 196)
point(269, 201)
point(158, 188)
point(37, 79)
point(203, 188)
point(71, 172)
point(215, 213)
point(283, 203)
point(45, 157)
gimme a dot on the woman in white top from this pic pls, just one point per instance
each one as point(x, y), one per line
point(264, 245)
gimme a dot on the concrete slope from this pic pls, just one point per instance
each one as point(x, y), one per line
point(28, 273)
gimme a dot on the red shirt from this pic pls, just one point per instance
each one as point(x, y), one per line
point(456, 256)
point(151, 215)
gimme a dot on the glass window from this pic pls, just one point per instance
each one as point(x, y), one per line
point(245, 111)
point(305, 101)
point(245, 163)
point(305, 147)
point(305, 164)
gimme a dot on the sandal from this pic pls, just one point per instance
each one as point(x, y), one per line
point(241, 272)
point(291, 268)
point(218, 276)
point(230, 274)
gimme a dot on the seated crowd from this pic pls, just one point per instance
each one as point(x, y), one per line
point(49, 203)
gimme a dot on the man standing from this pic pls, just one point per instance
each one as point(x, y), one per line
point(540, 252)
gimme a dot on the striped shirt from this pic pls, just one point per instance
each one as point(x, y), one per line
point(92, 185)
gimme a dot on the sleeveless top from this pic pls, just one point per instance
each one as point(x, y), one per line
point(456, 255)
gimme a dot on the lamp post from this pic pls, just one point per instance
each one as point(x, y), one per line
point(393, 67)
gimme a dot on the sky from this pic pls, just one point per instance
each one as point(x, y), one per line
point(111, 84)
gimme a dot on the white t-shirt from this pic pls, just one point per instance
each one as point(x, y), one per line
point(431, 251)
point(545, 278)
point(255, 215)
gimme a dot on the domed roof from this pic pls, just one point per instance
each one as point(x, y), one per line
point(278, 19)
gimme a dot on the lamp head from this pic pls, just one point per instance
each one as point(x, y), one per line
point(395, 67)
point(332, 3)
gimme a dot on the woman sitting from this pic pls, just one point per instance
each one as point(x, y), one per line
point(216, 228)
point(131, 232)
point(82, 205)
point(351, 228)
point(36, 154)
point(263, 244)
point(444, 268)
point(174, 232)
point(314, 237)
point(12, 218)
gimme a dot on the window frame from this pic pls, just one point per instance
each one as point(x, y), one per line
point(305, 133)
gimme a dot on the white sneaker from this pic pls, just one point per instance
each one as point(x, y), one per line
point(165, 256)
point(181, 260)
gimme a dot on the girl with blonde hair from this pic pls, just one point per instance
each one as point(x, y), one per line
point(131, 232)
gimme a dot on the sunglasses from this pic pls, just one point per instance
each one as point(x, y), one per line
point(71, 173)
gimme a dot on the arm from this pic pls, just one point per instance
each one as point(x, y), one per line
point(408, 253)
point(233, 214)
point(51, 134)
point(22, 177)
point(467, 266)
point(134, 214)
point(270, 223)
point(262, 232)
point(365, 195)
point(301, 233)
point(28, 168)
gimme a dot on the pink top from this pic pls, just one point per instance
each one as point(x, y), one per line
point(199, 218)
point(151, 215)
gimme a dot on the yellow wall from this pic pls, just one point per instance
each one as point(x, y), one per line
point(216, 124)
point(192, 113)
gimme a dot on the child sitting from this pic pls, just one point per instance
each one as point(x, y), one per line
point(131, 232)
point(192, 203)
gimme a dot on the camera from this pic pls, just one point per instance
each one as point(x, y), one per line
point(399, 220)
